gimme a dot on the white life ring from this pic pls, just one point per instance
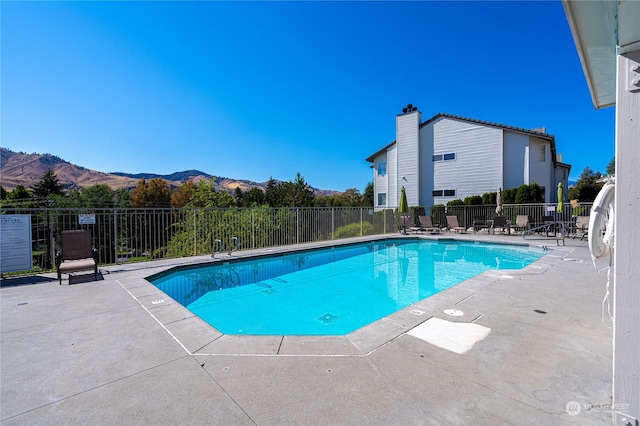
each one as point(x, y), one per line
point(602, 218)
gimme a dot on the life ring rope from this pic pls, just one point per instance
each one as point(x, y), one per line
point(601, 221)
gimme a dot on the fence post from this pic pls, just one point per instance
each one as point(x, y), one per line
point(297, 226)
point(52, 242)
point(333, 232)
point(361, 222)
point(195, 249)
point(115, 234)
point(253, 229)
point(384, 221)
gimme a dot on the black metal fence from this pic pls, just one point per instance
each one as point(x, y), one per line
point(128, 235)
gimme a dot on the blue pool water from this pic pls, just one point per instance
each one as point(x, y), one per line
point(331, 291)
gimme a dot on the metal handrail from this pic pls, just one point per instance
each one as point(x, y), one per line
point(558, 224)
point(218, 243)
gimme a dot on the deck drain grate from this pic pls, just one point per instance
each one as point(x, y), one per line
point(327, 319)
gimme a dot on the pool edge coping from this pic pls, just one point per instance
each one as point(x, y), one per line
point(198, 338)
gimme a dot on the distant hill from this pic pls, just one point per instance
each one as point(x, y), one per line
point(19, 168)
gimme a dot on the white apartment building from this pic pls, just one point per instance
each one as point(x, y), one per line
point(449, 157)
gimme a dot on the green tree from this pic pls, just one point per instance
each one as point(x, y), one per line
point(529, 194)
point(273, 193)
point(237, 196)
point(72, 199)
point(324, 201)
point(587, 186)
point(489, 198)
point(121, 198)
point(349, 198)
point(48, 185)
point(19, 193)
point(368, 195)
point(98, 196)
point(253, 197)
point(3, 193)
point(206, 195)
point(289, 194)
point(509, 195)
point(298, 193)
point(473, 200)
point(611, 167)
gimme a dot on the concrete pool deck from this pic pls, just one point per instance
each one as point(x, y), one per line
point(118, 351)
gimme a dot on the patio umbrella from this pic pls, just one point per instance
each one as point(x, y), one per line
point(403, 207)
point(499, 201)
point(560, 198)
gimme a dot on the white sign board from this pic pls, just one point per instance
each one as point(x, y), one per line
point(87, 219)
point(15, 242)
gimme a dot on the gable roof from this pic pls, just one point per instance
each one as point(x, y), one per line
point(536, 133)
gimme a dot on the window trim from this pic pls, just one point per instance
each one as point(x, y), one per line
point(444, 192)
point(448, 156)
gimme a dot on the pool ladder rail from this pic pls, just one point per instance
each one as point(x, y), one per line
point(555, 228)
point(237, 245)
point(217, 246)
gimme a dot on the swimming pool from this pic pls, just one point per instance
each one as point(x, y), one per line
point(331, 291)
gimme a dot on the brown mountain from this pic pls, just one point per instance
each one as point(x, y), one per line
point(18, 168)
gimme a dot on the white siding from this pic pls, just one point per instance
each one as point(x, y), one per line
point(561, 174)
point(380, 181)
point(515, 145)
point(477, 167)
point(540, 171)
point(426, 167)
point(392, 168)
point(407, 126)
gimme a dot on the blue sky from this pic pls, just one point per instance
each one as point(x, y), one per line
point(253, 90)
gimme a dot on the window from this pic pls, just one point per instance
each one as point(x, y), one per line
point(444, 157)
point(543, 153)
point(449, 157)
point(444, 192)
point(382, 199)
point(382, 168)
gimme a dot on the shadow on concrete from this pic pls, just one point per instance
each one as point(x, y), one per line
point(25, 280)
point(84, 278)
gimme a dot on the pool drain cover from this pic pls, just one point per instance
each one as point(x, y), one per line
point(327, 319)
point(453, 312)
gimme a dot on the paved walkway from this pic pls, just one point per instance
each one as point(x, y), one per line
point(118, 351)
